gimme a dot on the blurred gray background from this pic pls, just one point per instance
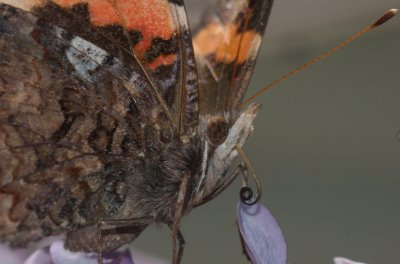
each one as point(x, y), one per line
point(324, 143)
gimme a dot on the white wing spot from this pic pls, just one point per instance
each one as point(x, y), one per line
point(85, 56)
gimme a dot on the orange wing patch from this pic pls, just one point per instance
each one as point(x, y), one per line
point(162, 60)
point(151, 17)
point(226, 43)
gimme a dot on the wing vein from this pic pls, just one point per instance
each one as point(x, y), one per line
point(145, 73)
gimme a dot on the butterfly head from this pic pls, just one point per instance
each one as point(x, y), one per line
point(221, 137)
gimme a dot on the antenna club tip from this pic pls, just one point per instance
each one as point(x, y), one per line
point(388, 15)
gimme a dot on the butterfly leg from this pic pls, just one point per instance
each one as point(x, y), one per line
point(181, 245)
point(175, 231)
point(103, 225)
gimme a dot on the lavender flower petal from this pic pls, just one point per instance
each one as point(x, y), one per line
point(263, 239)
point(53, 252)
point(340, 260)
point(41, 256)
point(12, 256)
point(60, 255)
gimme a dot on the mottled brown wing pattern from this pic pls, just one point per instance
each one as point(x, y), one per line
point(152, 34)
point(226, 44)
point(68, 112)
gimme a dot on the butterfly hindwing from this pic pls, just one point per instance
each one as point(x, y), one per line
point(71, 117)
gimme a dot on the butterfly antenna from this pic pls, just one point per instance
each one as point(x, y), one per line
point(388, 15)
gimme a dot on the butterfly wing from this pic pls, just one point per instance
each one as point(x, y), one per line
point(67, 113)
point(151, 33)
point(226, 44)
point(77, 102)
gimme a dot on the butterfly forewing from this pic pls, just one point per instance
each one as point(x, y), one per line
point(226, 43)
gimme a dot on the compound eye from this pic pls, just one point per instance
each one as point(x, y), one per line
point(217, 130)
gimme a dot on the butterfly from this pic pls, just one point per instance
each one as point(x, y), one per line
point(114, 115)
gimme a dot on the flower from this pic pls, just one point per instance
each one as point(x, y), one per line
point(55, 253)
point(13, 256)
point(262, 237)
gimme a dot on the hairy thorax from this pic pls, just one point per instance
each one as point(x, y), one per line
point(147, 190)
